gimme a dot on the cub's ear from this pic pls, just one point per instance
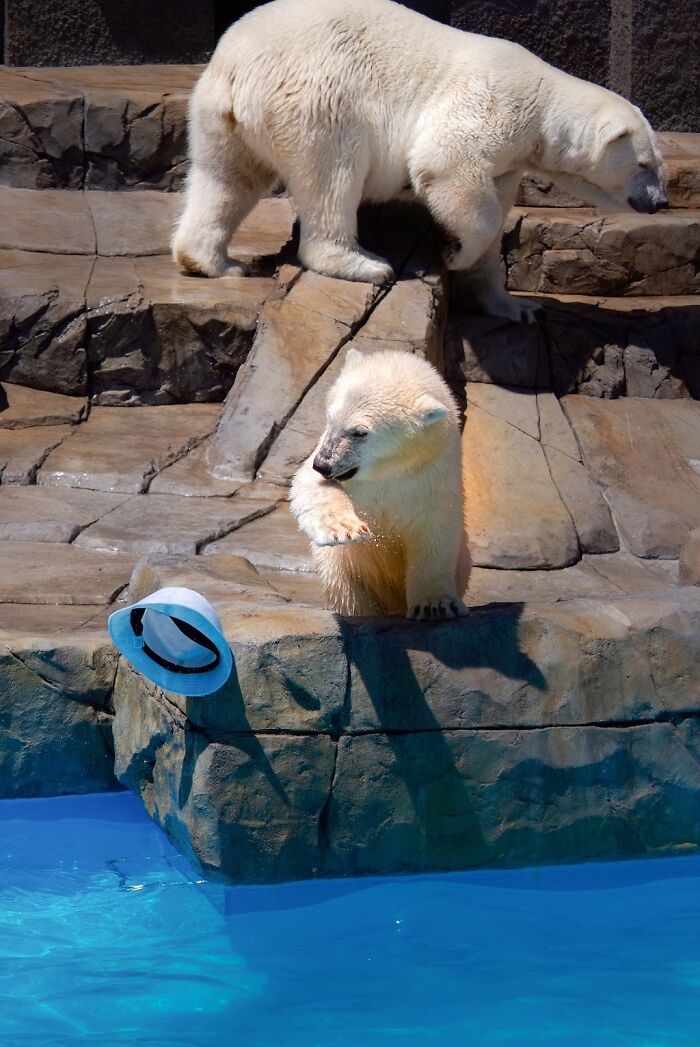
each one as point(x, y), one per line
point(431, 410)
point(352, 358)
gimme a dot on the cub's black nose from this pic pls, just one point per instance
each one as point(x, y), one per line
point(322, 466)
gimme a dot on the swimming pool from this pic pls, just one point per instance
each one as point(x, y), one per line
point(108, 937)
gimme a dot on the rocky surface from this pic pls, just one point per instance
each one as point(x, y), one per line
point(602, 347)
point(94, 127)
point(113, 127)
point(578, 251)
point(524, 733)
point(559, 721)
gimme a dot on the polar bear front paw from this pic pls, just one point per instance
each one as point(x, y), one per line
point(340, 529)
point(437, 608)
point(509, 307)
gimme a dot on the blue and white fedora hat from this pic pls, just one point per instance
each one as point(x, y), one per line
point(174, 638)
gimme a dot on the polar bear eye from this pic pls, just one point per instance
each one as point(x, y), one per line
point(358, 434)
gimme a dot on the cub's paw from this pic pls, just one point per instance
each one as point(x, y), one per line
point(436, 608)
point(340, 529)
point(509, 307)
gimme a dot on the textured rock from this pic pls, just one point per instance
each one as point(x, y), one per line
point(645, 455)
point(38, 514)
point(604, 348)
point(21, 408)
point(162, 523)
point(577, 251)
point(121, 450)
point(515, 514)
point(409, 317)
point(42, 320)
point(57, 221)
point(80, 32)
point(412, 803)
point(297, 339)
point(273, 541)
point(55, 731)
point(39, 573)
point(22, 451)
point(521, 734)
point(689, 564)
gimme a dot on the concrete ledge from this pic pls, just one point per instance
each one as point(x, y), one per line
point(527, 733)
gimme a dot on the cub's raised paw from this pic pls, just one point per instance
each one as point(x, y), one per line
point(437, 608)
point(338, 530)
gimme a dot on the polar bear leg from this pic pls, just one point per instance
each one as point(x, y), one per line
point(485, 282)
point(431, 576)
point(225, 182)
point(327, 200)
point(470, 212)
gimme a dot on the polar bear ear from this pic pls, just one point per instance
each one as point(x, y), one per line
point(352, 359)
point(431, 410)
point(613, 131)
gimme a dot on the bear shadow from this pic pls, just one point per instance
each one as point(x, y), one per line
point(575, 346)
point(418, 704)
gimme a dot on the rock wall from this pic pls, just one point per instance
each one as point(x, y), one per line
point(524, 734)
point(648, 50)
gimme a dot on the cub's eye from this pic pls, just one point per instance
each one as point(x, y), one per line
point(644, 167)
point(358, 434)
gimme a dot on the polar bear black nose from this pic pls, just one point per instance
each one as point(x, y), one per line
point(322, 466)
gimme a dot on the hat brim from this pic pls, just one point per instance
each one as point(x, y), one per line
point(131, 647)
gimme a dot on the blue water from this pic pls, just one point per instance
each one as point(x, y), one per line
point(108, 937)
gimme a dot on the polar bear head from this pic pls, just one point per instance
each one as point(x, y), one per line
point(388, 412)
point(608, 154)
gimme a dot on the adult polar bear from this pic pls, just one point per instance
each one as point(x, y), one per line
point(365, 100)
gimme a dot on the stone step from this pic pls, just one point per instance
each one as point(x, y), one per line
point(91, 303)
point(581, 251)
point(94, 127)
point(124, 127)
point(603, 347)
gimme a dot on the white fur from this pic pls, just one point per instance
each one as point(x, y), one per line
point(391, 539)
point(351, 100)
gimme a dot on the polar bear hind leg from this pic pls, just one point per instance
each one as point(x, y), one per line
point(225, 182)
point(327, 190)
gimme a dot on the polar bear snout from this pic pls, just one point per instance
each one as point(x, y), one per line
point(335, 459)
point(648, 193)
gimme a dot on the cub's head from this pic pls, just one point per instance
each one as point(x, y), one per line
point(612, 158)
point(386, 410)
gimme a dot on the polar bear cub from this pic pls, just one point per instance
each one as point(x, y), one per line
point(381, 496)
point(351, 100)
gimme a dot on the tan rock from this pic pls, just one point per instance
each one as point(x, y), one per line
point(274, 541)
point(645, 455)
point(133, 223)
point(121, 449)
point(589, 510)
point(293, 345)
point(21, 407)
point(23, 450)
point(515, 515)
point(689, 565)
point(54, 514)
point(409, 317)
point(166, 524)
point(24, 274)
point(24, 623)
point(190, 477)
point(54, 220)
point(39, 573)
